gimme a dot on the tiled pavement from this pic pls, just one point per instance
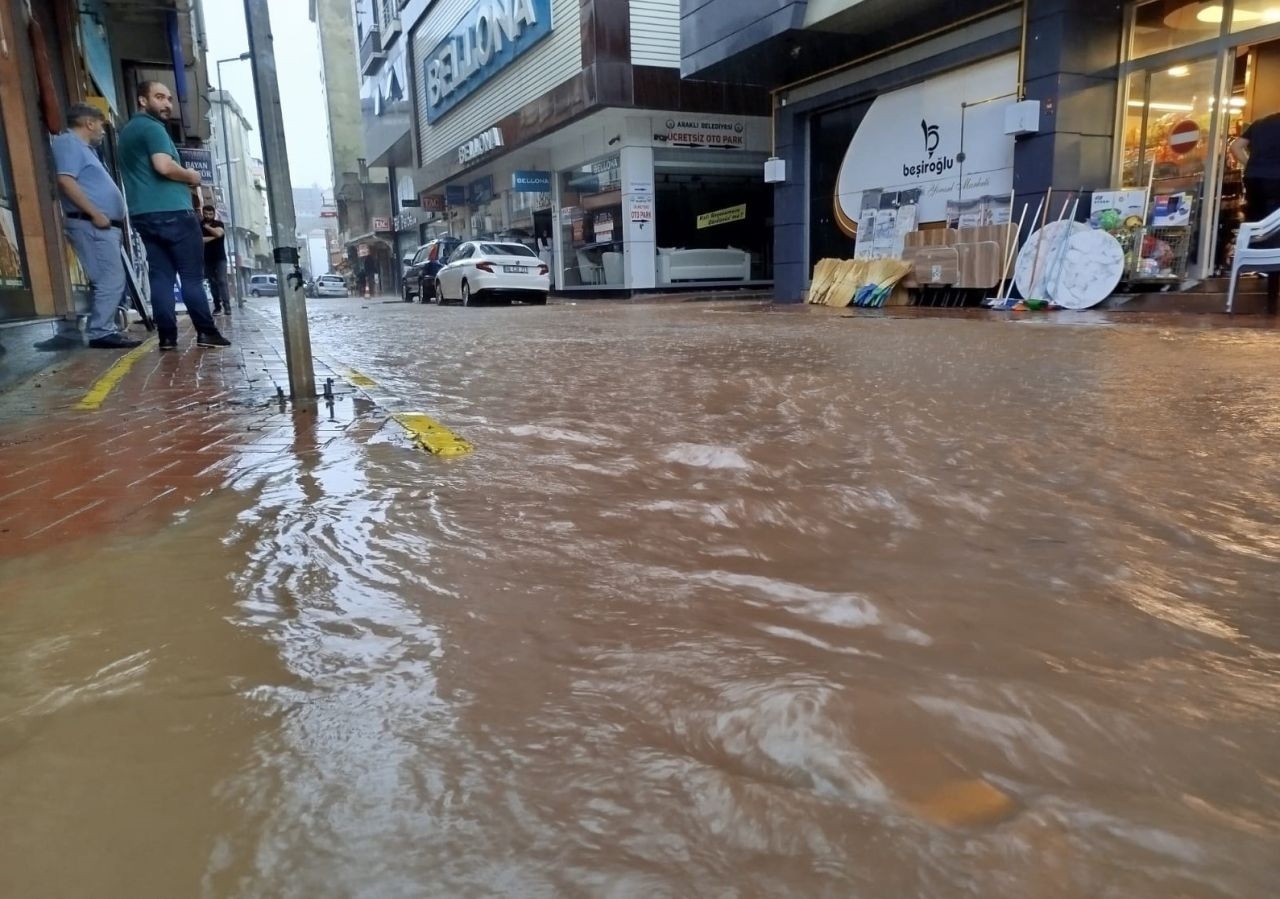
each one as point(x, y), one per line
point(177, 427)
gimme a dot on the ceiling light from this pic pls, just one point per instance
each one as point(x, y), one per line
point(1236, 102)
point(1163, 107)
point(1180, 71)
point(1212, 15)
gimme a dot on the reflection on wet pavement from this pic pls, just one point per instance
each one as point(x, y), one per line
point(727, 602)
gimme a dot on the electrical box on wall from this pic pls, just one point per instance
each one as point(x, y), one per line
point(775, 170)
point(1022, 118)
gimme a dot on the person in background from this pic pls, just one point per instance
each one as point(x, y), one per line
point(1258, 150)
point(159, 192)
point(94, 211)
point(215, 260)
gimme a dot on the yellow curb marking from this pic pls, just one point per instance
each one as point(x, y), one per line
point(432, 436)
point(359, 380)
point(97, 395)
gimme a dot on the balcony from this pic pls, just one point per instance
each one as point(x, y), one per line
point(390, 21)
point(371, 53)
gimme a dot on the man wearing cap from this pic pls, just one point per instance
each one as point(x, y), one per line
point(94, 211)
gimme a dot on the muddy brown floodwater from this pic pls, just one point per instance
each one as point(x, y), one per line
point(728, 603)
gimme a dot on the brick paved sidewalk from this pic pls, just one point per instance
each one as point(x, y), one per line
point(178, 426)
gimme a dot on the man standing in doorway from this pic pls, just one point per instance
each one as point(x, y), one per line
point(94, 213)
point(159, 192)
point(1258, 150)
point(215, 260)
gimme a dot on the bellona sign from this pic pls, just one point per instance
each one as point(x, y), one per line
point(492, 35)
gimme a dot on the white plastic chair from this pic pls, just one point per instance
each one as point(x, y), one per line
point(589, 272)
point(1251, 258)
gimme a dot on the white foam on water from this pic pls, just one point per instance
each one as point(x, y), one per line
point(557, 435)
point(698, 455)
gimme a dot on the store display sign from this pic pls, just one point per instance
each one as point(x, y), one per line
point(603, 226)
point(199, 160)
point(531, 182)
point(943, 137)
point(492, 35)
point(11, 268)
point(701, 132)
point(481, 191)
point(722, 216)
point(381, 224)
point(432, 202)
point(455, 195)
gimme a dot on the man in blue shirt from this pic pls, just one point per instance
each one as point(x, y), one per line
point(94, 213)
point(158, 188)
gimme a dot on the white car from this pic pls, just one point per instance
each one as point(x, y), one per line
point(481, 270)
point(331, 286)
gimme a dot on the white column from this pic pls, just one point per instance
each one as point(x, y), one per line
point(637, 197)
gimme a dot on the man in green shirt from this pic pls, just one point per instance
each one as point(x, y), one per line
point(158, 190)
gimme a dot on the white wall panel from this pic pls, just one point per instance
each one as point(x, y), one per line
point(655, 33)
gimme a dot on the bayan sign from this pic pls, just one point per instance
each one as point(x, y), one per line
point(925, 138)
point(488, 39)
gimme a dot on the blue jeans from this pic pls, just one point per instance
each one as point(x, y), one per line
point(175, 247)
point(98, 250)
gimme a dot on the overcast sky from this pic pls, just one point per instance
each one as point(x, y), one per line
point(298, 66)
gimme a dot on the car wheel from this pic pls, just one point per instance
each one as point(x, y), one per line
point(467, 298)
point(405, 295)
point(439, 292)
point(254, 293)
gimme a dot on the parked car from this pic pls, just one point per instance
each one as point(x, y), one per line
point(483, 270)
point(263, 286)
point(419, 279)
point(331, 286)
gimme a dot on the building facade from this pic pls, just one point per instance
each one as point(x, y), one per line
point(52, 54)
point(566, 125)
point(1140, 97)
point(240, 191)
point(360, 190)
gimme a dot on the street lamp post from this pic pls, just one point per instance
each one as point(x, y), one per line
point(231, 195)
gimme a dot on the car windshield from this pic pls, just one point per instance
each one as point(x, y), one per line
point(506, 249)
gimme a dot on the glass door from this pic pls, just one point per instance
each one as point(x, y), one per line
point(1172, 123)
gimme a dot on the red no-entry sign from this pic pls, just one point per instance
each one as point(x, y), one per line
point(1184, 136)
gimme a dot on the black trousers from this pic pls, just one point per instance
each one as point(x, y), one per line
point(215, 272)
point(1261, 198)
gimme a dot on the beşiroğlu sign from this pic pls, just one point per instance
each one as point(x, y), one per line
point(488, 39)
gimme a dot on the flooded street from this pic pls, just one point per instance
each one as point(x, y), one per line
point(727, 602)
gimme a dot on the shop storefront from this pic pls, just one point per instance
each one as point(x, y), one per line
point(1194, 76)
point(525, 134)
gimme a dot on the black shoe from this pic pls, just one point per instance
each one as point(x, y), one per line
point(168, 343)
point(212, 340)
point(114, 342)
point(58, 343)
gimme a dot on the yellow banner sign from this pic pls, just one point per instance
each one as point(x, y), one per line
point(722, 216)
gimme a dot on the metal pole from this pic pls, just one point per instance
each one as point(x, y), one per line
point(231, 196)
point(293, 297)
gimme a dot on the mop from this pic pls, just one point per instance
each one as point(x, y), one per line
point(1062, 250)
point(1035, 266)
point(1010, 254)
